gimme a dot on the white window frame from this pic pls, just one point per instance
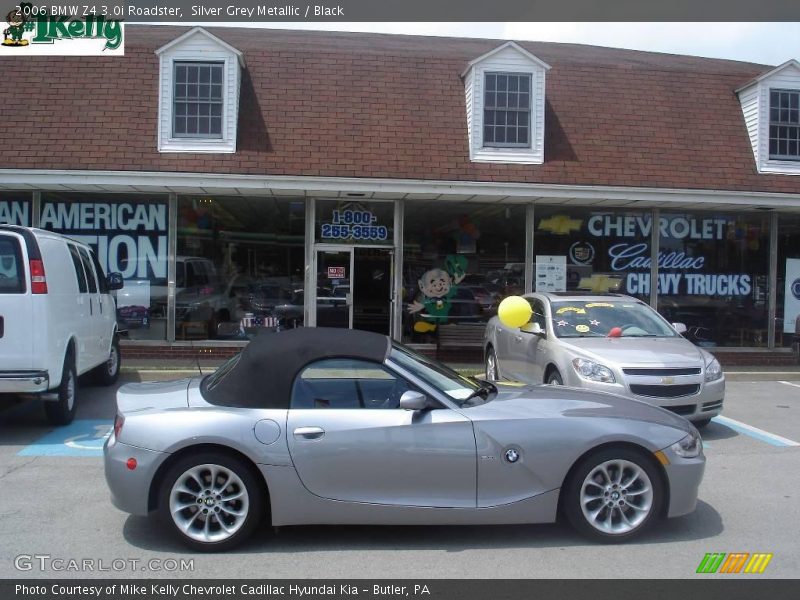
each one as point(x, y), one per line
point(197, 45)
point(510, 59)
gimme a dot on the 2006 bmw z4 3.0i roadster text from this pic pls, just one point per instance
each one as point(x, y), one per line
point(330, 426)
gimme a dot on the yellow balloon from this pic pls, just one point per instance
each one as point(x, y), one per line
point(514, 311)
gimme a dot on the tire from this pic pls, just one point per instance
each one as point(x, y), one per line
point(701, 423)
point(62, 411)
point(554, 378)
point(240, 482)
point(596, 475)
point(108, 373)
point(492, 369)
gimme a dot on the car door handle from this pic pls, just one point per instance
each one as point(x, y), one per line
point(309, 433)
point(518, 338)
point(540, 349)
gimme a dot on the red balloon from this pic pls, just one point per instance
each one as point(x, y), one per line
point(615, 332)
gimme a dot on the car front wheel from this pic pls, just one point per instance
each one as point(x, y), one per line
point(492, 372)
point(212, 501)
point(554, 378)
point(613, 495)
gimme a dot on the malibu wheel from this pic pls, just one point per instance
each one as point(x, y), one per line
point(554, 378)
point(613, 495)
point(212, 501)
point(492, 372)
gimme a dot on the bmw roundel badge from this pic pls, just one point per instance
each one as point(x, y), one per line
point(512, 455)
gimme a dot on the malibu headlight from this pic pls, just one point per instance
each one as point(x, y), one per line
point(688, 447)
point(713, 370)
point(593, 371)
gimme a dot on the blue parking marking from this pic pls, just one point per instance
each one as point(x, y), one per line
point(79, 438)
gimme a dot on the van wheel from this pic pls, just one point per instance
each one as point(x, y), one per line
point(108, 373)
point(62, 411)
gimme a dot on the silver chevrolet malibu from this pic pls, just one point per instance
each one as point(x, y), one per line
point(331, 426)
point(609, 343)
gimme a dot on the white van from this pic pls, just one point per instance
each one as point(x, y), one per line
point(57, 318)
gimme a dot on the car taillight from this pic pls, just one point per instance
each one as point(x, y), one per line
point(38, 279)
point(119, 421)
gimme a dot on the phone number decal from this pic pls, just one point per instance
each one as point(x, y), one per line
point(354, 225)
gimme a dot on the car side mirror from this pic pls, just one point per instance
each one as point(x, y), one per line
point(679, 327)
point(533, 328)
point(114, 281)
point(411, 400)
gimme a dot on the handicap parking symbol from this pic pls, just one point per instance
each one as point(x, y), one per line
point(80, 438)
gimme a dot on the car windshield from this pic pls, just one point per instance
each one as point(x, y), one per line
point(607, 318)
point(434, 373)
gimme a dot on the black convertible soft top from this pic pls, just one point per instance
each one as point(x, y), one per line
point(265, 371)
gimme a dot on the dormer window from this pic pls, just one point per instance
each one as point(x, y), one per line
point(505, 106)
point(507, 110)
point(784, 124)
point(198, 108)
point(197, 100)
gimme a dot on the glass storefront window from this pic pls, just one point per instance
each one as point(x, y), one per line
point(582, 249)
point(459, 261)
point(239, 267)
point(354, 222)
point(129, 235)
point(787, 313)
point(713, 276)
point(15, 208)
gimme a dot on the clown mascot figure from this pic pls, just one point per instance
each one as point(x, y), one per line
point(438, 287)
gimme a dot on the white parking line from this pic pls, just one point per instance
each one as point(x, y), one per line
point(797, 385)
point(754, 432)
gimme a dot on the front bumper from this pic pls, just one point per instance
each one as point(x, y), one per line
point(130, 489)
point(24, 382)
point(684, 475)
point(706, 403)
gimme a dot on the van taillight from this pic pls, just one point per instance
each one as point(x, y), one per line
point(38, 279)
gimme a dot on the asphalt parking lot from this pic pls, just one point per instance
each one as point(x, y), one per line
point(54, 502)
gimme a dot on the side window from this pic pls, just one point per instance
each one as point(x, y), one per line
point(538, 314)
point(76, 262)
point(102, 284)
point(88, 269)
point(347, 383)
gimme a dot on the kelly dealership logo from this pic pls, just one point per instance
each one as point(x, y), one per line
point(33, 30)
point(734, 562)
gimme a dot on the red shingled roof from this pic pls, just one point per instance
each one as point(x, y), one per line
point(369, 105)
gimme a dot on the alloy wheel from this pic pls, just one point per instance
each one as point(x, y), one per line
point(209, 503)
point(616, 497)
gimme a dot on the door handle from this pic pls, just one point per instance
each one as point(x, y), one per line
point(518, 338)
point(309, 433)
point(540, 349)
point(91, 307)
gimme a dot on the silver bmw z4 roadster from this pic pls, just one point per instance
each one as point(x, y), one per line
point(332, 426)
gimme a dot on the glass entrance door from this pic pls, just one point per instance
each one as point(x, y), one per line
point(372, 289)
point(334, 304)
point(354, 288)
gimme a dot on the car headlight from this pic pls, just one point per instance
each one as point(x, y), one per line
point(688, 447)
point(593, 371)
point(713, 370)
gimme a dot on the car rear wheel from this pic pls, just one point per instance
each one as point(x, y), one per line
point(212, 501)
point(613, 495)
point(62, 411)
point(554, 378)
point(492, 372)
point(108, 373)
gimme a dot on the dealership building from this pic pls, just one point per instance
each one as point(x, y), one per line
point(243, 179)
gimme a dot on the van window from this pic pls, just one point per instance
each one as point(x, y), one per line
point(101, 276)
point(12, 279)
point(76, 262)
point(87, 267)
